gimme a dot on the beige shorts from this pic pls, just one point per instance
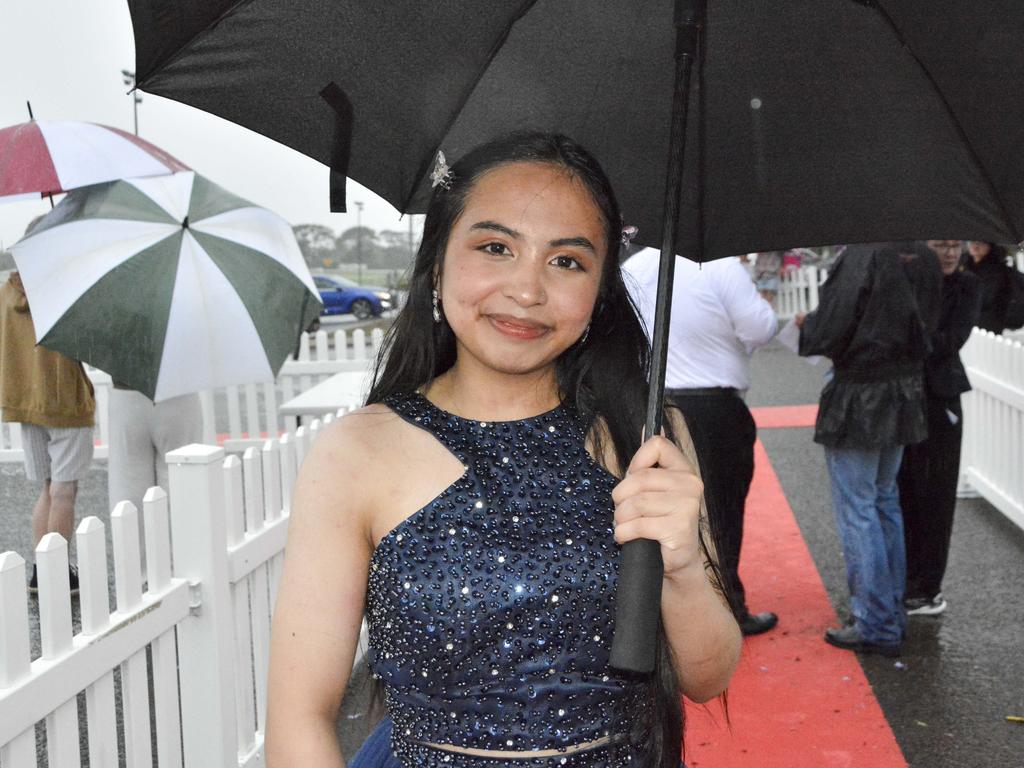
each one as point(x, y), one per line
point(61, 454)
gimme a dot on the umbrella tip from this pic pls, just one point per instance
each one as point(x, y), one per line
point(184, 224)
point(30, 115)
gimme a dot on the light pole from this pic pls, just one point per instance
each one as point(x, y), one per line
point(359, 242)
point(412, 242)
point(129, 80)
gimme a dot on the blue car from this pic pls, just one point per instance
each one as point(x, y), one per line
point(341, 297)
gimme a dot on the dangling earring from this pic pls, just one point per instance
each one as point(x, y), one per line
point(583, 338)
point(436, 306)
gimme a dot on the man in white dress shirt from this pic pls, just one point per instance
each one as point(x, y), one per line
point(718, 320)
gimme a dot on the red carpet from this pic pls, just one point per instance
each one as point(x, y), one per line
point(794, 702)
point(775, 417)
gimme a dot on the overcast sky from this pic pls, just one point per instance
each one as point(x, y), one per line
point(66, 56)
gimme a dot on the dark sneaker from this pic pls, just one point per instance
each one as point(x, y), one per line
point(849, 639)
point(924, 606)
point(756, 623)
point(33, 583)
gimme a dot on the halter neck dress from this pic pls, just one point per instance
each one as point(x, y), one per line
point(491, 609)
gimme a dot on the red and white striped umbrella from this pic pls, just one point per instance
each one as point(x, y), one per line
point(44, 157)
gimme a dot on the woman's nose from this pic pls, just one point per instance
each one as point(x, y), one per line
point(525, 284)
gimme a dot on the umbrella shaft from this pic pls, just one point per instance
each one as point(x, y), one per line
point(638, 599)
point(685, 52)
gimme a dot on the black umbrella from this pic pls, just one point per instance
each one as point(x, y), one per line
point(810, 121)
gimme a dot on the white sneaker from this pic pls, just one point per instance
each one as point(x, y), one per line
point(923, 606)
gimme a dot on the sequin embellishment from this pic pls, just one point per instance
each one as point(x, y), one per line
point(491, 609)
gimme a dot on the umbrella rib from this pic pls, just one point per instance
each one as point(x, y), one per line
point(142, 80)
point(1007, 219)
point(428, 161)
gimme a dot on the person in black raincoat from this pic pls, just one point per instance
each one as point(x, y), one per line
point(876, 314)
point(931, 469)
point(987, 262)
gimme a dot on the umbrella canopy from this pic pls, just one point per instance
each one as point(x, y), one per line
point(811, 121)
point(170, 284)
point(45, 157)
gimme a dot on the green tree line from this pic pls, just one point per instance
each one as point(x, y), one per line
point(322, 248)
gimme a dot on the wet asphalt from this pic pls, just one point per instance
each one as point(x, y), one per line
point(960, 674)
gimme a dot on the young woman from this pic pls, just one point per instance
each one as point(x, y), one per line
point(473, 509)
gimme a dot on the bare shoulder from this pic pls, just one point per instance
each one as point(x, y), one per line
point(362, 432)
point(345, 463)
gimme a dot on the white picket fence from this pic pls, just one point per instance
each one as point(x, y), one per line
point(252, 415)
point(798, 291)
point(214, 551)
point(992, 462)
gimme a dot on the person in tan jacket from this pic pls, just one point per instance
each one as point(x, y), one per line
point(51, 398)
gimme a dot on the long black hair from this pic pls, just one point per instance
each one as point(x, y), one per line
point(603, 376)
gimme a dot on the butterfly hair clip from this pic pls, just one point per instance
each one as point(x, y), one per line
point(442, 175)
point(629, 231)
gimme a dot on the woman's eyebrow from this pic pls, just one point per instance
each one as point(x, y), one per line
point(575, 242)
point(496, 227)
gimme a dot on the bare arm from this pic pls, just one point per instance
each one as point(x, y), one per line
point(320, 604)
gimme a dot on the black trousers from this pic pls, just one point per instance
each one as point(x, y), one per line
point(927, 480)
point(723, 433)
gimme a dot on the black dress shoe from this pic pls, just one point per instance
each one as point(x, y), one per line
point(849, 639)
point(756, 623)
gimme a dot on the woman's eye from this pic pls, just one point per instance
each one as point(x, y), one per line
point(566, 262)
point(495, 249)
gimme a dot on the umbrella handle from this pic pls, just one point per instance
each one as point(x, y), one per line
point(638, 598)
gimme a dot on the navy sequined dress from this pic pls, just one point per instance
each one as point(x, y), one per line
point(491, 609)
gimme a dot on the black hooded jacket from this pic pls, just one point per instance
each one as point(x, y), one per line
point(995, 280)
point(876, 314)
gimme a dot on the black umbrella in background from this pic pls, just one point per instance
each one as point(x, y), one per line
point(809, 122)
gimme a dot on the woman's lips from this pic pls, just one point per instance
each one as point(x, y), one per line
point(516, 328)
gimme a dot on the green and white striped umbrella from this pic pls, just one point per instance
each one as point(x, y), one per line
point(170, 284)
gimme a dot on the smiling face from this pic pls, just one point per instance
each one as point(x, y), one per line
point(522, 268)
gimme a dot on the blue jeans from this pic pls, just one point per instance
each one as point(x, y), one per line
point(866, 502)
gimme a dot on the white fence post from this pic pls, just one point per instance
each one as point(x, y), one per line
point(812, 287)
point(205, 640)
point(124, 525)
point(55, 629)
point(207, 408)
point(234, 503)
point(359, 344)
point(165, 657)
point(101, 716)
point(252, 477)
point(15, 662)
